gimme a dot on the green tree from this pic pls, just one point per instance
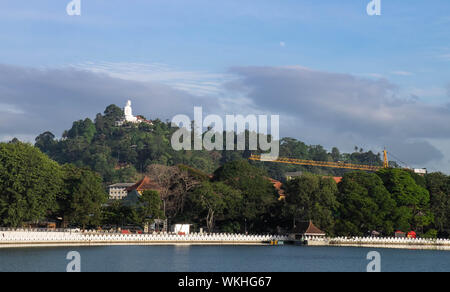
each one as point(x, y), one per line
point(149, 207)
point(46, 142)
point(335, 154)
point(290, 147)
point(215, 200)
point(82, 200)
point(113, 114)
point(311, 197)
point(259, 194)
point(408, 194)
point(116, 213)
point(29, 184)
point(438, 184)
point(85, 129)
point(365, 205)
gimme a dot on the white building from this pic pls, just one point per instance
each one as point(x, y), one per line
point(181, 229)
point(119, 191)
point(421, 171)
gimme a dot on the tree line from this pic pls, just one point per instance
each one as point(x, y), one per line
point(33, 187)
point(237, 197)
point(385, 201)
point(36, 189)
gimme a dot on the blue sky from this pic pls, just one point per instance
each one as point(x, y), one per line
point(213, 35)
point(198, 46)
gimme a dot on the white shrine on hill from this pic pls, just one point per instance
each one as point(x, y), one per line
point(129, 118)
point(129, 113)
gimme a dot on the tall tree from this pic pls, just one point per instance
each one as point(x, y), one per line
point(438, 185)
point(365, 205)
point(175, 183)
point(83, 197)
point(215, 200)
point(409, 196)
point(149, 207)
point(258, 192)
point(335, 154)
point(113, 114)
point(118, 214)
point(29, 184)
point(46, 142)
point(311, 197)
point(85, 129)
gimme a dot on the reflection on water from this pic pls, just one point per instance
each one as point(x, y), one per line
point(221, 259)
point(180, 257)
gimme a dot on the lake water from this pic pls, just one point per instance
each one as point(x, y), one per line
point(221, 259)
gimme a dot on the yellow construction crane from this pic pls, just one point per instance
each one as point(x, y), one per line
point(385, 160)
point(326, 164)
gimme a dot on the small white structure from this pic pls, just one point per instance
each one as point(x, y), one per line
point(129, 113)
point(129, 118)
point(181, 229)
point(421, 171)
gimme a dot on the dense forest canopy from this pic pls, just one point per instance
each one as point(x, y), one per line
point(238, 197)
point(34, 187)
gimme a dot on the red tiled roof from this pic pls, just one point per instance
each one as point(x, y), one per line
point(144, 185)
point(337, 179)
point(308, 229)
point(312, 229)
point(277, 185)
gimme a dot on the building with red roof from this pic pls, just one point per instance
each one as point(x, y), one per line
point(145, 184)
point(337, 179)
point(306, 229)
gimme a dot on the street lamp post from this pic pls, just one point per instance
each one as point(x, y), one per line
point(246, 226)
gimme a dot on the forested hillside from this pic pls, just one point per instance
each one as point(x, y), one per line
point(237, 197)
point(120, 153)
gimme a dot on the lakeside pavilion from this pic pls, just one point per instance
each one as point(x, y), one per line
point(303, 229)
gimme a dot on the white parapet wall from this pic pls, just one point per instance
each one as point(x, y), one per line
point(15, 238)
point(28, 237)
point(382, 242)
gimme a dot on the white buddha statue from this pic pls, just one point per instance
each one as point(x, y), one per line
point(129, 113)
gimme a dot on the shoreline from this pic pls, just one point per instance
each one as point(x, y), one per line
point(393, 246)
point(33, 238)
point(411, 245)
point(48, 244)
point(130, 243)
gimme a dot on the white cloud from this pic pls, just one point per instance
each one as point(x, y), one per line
point(428, 92)
point(195, 82)
point(340, 109)
point(33, 101)
point(10, 108)
point(402, 73)
point(371, 75)
point(317, 107)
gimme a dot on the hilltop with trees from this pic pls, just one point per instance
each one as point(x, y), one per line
point(121, 153)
